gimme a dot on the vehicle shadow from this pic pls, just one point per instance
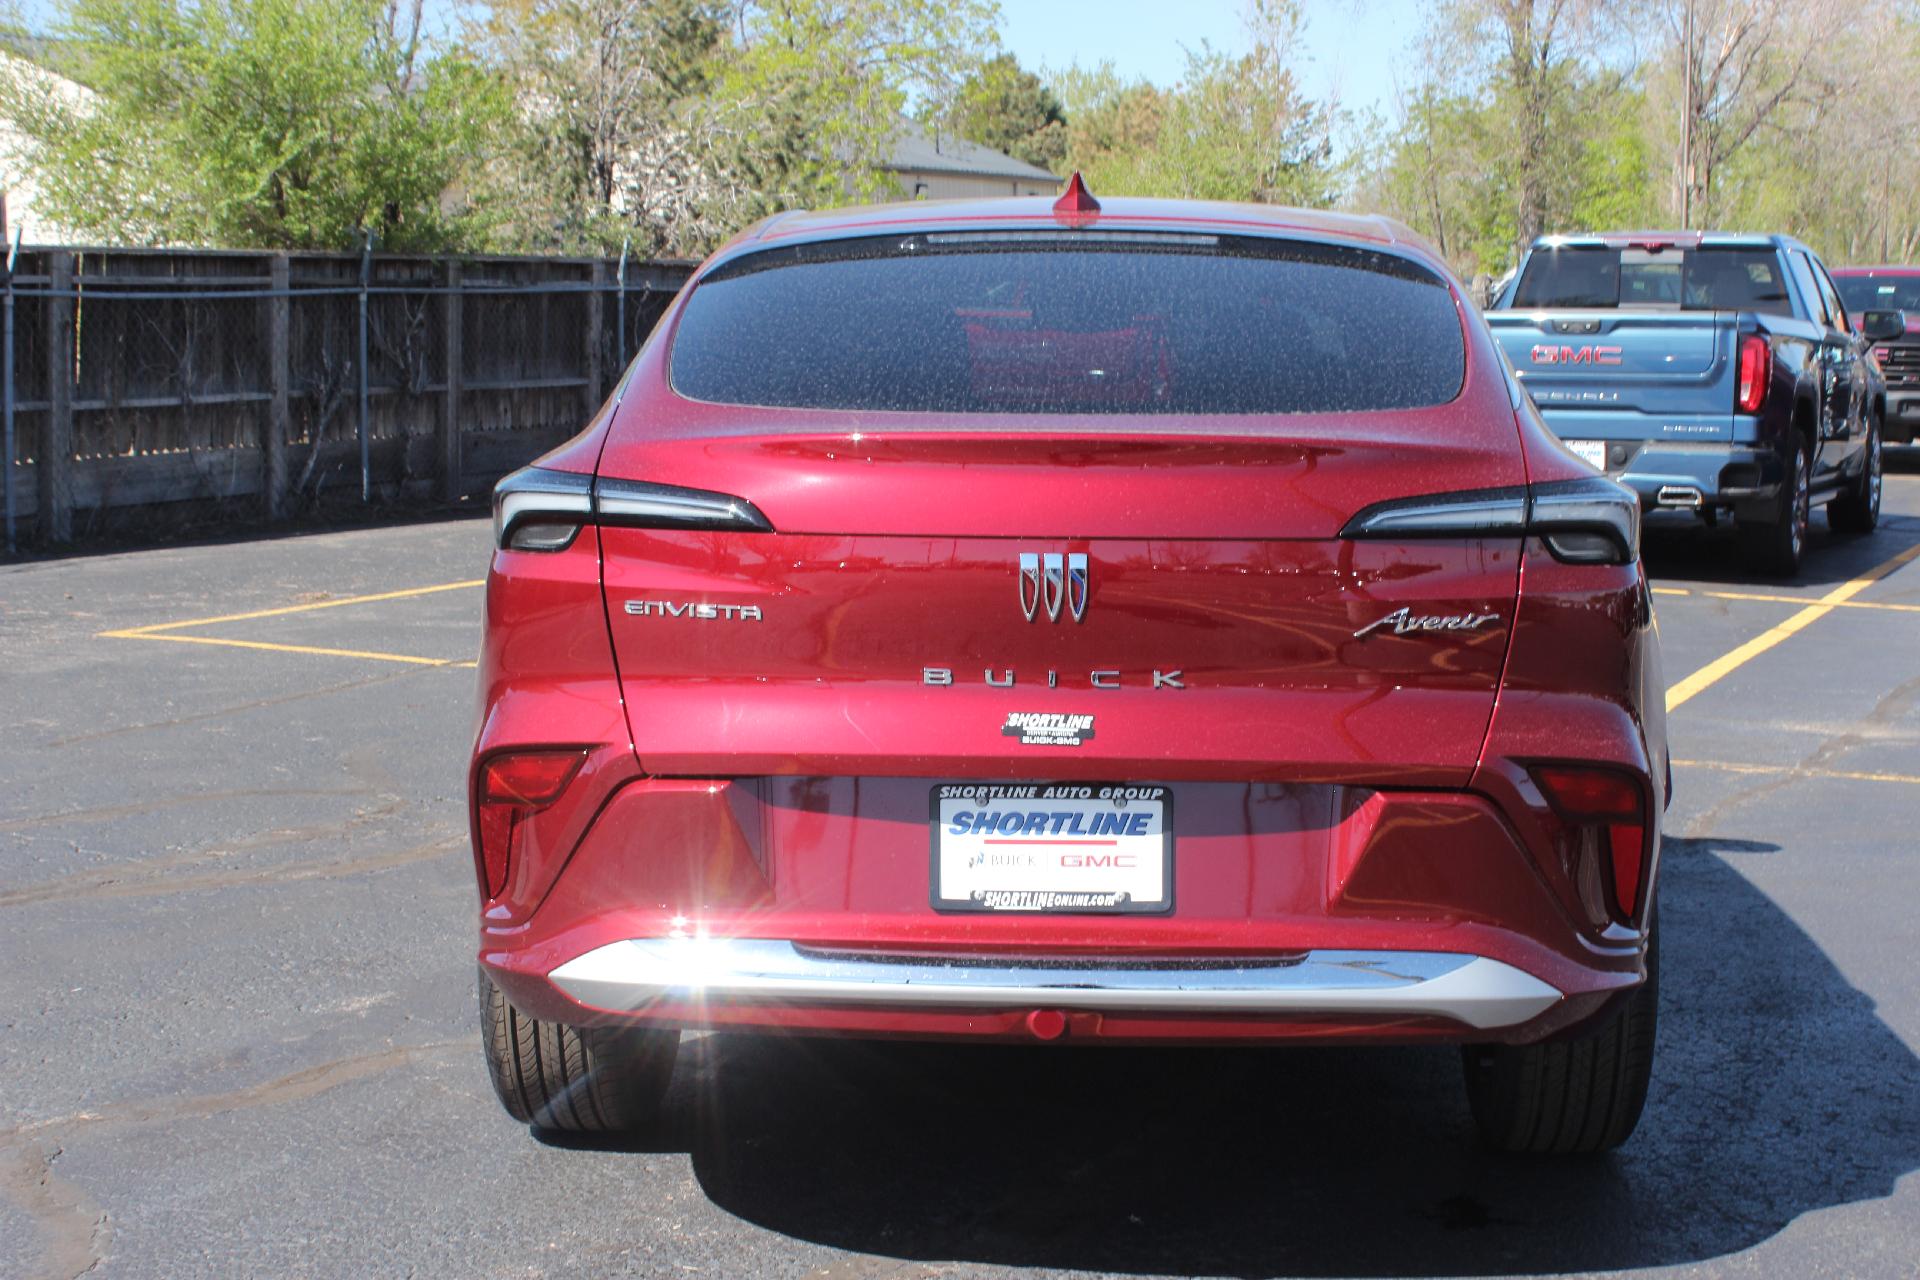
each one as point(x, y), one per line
point(1682, 549)
point(1777, 1092)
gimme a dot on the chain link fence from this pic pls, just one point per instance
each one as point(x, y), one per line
point(143, 385)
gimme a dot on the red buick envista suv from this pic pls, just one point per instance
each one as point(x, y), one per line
point(1160, 622)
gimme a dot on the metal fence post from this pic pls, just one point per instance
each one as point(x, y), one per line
point(366, 459)
point(279, 423)
point(6, 392)
point(55, 456)
point(620, 307)
point(596, 336)
point(448, 453)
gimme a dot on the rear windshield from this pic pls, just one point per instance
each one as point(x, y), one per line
point(1879, 293)
point(1707, 279)
point(1071, 322)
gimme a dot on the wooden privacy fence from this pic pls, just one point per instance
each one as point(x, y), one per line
point(262, 381)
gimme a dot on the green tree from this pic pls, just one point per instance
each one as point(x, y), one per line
point(602, 146)
point(255, 123)
point(1009, 108)
point(1236, 127)
point(807, 103)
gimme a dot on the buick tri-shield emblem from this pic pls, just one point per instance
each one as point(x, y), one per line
point(1053, 580)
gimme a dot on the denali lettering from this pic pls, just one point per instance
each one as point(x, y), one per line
point(700, 612)
point(1545, 354)
point(1404, 622)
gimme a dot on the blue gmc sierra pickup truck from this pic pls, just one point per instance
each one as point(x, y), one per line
point(1712, 373)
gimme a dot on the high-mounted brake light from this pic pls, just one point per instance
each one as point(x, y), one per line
point(539, 510)
point(512, 787)
point(1756, 361)
point(1605, 838)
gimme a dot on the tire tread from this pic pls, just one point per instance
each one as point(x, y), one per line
point(1568, 1097)
point(569, 1079)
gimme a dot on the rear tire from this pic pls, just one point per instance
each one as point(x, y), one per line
point(1858, 509)
point(1569, 1097)
point(1778, 546)
point(565, 1079)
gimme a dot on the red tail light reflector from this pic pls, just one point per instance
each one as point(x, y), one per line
point(1756, 360)
point(1606, 813)
point(513, 786)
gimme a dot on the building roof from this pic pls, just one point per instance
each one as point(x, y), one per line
point(917, 151)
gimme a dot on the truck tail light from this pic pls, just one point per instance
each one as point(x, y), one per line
point(513, 786)
point(1604, 835)
point(1756, 360)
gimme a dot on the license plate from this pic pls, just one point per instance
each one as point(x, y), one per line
point(1048, 847)
point(1591, 452)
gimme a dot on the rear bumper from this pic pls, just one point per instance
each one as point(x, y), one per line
point(1671, 476)
point(1305, 913)
point(637, 975)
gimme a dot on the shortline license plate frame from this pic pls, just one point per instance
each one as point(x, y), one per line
point(1042, 792)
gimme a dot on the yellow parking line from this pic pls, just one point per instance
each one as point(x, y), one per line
point(130, 632)
point(293, 648)
point(1727, 766)
point(1721, 666)
point(1776, 599)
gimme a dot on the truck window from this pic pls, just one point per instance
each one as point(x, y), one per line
point(1712, 278)
point(1836, 308)
point(1803, 273)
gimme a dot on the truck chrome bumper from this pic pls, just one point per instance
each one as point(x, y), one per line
point(1480, 992)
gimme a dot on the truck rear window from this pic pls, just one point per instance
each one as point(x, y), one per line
point(1713, 278)
point(1036, 322)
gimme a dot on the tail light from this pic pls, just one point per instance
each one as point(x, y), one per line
point(1756, 363)
point(1603, 835)
point(535, 509)
point(513, 786)
point(1592, 520)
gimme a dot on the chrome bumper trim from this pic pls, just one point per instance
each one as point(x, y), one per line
point(1481, 993)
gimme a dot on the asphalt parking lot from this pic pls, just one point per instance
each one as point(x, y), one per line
point(237, 1032)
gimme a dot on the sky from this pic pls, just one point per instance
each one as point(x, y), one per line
point(1349, 51)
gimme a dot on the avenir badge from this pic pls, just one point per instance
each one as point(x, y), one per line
point(1405, 620)
point(1047, 728)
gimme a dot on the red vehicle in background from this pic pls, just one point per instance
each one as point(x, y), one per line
point(1866, 289)
point(1158, 622)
